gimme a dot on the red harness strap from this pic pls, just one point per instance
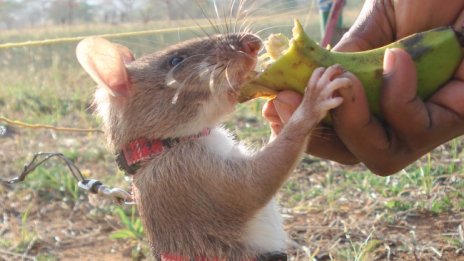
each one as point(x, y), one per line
point(144, 149)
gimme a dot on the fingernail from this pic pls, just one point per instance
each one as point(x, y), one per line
point(283, 110)
point(389, 61)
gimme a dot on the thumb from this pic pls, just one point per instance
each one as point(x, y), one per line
point(401, 107)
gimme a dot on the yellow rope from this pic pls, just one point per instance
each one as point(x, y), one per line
point(78, 38)
point(41, 126)
point(139, 33)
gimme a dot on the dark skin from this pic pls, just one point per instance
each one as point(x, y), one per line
point(412, 127)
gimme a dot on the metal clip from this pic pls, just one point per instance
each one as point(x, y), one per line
point(90, 185)
point(93, 186)
point(117, 195)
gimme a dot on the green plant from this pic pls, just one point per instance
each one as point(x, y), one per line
point(441, 205)
point(133, 228)
point(26, 235)
point(426, 173)
point(398, 205)
point(359, 251)
point(55, 182)
point(46, 257)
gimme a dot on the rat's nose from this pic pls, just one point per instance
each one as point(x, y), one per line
point(250, 44)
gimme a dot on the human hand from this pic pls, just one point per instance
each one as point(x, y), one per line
point(412, 127)
point(384, 21)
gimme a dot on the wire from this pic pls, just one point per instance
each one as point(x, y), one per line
point(28, 168)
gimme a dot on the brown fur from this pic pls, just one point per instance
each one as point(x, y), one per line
point(193, 200)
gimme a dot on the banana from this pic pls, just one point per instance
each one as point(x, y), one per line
point(436, 54)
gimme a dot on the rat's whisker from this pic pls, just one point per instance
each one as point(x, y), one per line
point(193, 77)
point(247, 29)
point(222, 43)
point(216, 11)
point(271, 27)
point(218, 74)
point(202, 28)
point(247, 22)
point(188, 81)
point(215, 77)
point(207, 34)
point(247, 55)
point(242, 14)
point(228, 77)
point(212, 78)
point(228, 17)
point(237, 14)
point(170, 80)
point(224, 19)
point(231, 13)
point(207, 17)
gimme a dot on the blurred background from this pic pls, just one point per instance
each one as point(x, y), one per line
point(42, 13)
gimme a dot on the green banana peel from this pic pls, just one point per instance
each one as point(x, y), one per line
point(436, 53)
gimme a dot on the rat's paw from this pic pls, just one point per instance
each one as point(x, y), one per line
point(326, 100)
point(319, 95)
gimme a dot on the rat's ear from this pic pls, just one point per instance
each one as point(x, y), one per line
point(105, 63)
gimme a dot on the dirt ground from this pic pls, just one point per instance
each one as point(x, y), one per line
point(351, 227)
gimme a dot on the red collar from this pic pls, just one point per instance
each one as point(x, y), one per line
point(143, 149)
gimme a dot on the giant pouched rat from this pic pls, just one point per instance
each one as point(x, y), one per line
point(201, 197)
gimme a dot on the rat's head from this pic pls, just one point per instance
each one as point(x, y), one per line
point(171, 93)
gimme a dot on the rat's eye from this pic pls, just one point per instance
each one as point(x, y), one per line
point(175, 60)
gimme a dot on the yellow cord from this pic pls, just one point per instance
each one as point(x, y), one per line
point(139, 33)
point(41, 126)
point(78, 38)
point(115, 35)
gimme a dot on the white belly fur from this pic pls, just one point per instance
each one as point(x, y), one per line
point(264, 233)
